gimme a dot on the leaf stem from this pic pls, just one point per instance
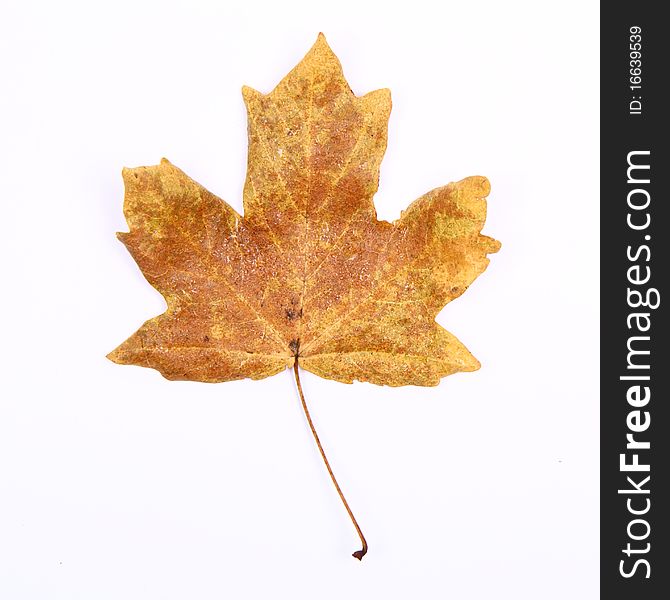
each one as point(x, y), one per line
point(359, 554)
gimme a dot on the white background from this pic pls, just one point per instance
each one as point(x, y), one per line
point(115, 483)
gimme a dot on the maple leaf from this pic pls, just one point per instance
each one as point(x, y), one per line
point(308, 275)
point(308, 271)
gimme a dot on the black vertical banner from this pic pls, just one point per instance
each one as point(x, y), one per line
point(635, 259)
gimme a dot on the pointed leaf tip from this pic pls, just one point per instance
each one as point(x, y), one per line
point(114, 356)
point(321, 48)
point(249, 94)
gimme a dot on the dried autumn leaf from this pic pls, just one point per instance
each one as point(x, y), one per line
point(308, 274)
point(308, 269)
